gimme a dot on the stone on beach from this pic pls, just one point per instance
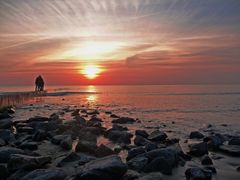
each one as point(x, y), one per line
point(29, 145)
point(45, 174)
point(103, 150)
point(152, 176)
point(140, 141)
point(157, 136)
point(135, 151)
point(66, 143)
point(120, 136)
point(5, 123)
point(19, 161)
point(6, 152)
point(206, 160)
point(234, 141)
point(198, 149)
point(198, 174)
point(196, 134)
point(86, 146)
point(142, 133)
point(107, 168)
point(124, 120)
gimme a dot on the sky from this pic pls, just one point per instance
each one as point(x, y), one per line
point(129, 41)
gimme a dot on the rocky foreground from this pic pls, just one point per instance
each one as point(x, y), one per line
point(43, 148)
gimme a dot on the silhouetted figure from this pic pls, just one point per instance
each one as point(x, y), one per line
point(39, 84)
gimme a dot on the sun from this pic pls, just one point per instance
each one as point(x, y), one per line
point(91, 71)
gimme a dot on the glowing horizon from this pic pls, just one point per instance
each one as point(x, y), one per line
point(136, 42)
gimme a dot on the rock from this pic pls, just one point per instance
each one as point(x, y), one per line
point(157, 136)
point(124, 120)
point(198, 174)
point(85, 159)
point(38, 119)
point(58, 139)
point(2, 142)
point(93, 112)
point(214, 141)
point(103, 150)
point(76, 112)
point(199, 149)
point(107, 168)
point(151, 176)
point(40, 135)
point(29, 145)
point(206, 160)
point(140, 141)
point(45, 174)
point(121, 137)
point(5, 123)
point(163, 160)
point(4, 115)
point(118, 128)
point(196, 134)
point(19, 161)
point(234, 141)
point(150, 146)
point(3, 172)
point(137, 163)
point(6, 152)
point(69, 158)
point(233, 150)
point(6, 135)
point(212, 169)
point(238, 169)
point(21, 138)
point(25, 129)
point(18, 174)
point(66, 143)
point(80, 120)
point(131, 175)
point(114, 116)
point(159, 164)
point(86, 146)
point(134, 152)
point(142, 133)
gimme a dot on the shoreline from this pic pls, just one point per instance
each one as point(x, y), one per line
point(72, 140)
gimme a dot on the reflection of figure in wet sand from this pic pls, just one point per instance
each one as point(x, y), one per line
point(39, 84)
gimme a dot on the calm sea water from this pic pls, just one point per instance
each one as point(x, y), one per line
point(198, 103)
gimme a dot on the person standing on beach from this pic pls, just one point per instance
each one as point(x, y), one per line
point(39, 84)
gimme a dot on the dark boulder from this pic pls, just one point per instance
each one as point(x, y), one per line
point(25, 129)
point(86, 146)
point(196, 134)
point(137, 163)
point(40, 135)
point(58, 139)
point(157, 136)
point(66, 143)
point(233, 150)
point(142, 133)
point(199, 149)
point(140, 141)
point(19, 161)
point(214, 141)
point(234, 141)
point(38, 119)
point(135, 151)
point(107, 168)
point(121, 137)
point(4, 115)
point(6, 152)
point(118, 128)
point(29, 146)
point(103, 150)
point(5, 123)
point(152, 176)
point(3, 172)
point(45, 174)
point(7, 135)
point(198, 174)
point(131, 175)
point(114, 116)
point(73, 156)
point(206, 160)
point(124, 120)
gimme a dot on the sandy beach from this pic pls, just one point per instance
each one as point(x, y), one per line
point(60, 138)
